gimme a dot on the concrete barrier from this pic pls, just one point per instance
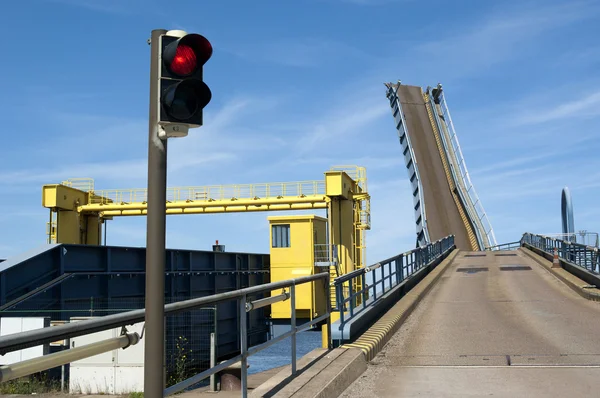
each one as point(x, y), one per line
point(568, 274)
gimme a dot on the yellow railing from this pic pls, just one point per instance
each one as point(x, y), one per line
point(83, 184)
point(214, 192)
point(357, 173)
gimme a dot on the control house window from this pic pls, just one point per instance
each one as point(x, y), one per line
point(281, 235)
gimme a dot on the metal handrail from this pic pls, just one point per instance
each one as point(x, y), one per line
point(213, 192)
point(399, 268)
point(463, 173)
point(577, 237)
point(505, 246)
point(584, 256)
point(34, 365)
point(32, 338)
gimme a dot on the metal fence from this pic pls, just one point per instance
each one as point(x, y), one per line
point(581, 237)
point(187, 337)
point(505, 246)
point(214, 192)
point(484, 230)
point(581, 255)
point(385, 275)
point(246, 302)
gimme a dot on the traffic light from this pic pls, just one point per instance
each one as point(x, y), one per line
point(183, 93)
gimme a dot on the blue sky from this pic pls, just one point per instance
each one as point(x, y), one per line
point(297, 88)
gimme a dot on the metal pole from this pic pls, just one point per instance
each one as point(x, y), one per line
point(244, 346)
point(328, 307)
point(213, 362)
point(62, 378)
point(154, 345)
point(293, 325)
point(45, 362)
point(253, 305)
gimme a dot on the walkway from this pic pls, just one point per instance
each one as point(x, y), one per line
point(495, 324)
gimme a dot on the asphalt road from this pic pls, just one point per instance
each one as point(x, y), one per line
point(442, 214)
point(485, 331)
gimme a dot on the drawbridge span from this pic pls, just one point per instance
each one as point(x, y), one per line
point(444, 198)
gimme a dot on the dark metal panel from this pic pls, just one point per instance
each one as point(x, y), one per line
point(472, 270)
point(110, 279)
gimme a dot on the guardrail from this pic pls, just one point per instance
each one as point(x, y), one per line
point(399, 268)
point(470, 196)
point(16, 341)
point(505, 246)
point(586, 257)
point(581, 237)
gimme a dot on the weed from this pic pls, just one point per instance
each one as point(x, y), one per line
point(180, 362)
point(29, 385)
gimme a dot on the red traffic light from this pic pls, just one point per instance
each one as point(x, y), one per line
point(184, 56)
point(183, 93)
point(184, 62)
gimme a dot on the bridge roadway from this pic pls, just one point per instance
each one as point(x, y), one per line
point(443, 217)
point(497, 325)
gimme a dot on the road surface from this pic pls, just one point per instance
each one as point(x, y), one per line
point(498, 326)
point(443, 218)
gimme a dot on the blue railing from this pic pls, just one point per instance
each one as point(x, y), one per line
point(384, 275)
point(575, 253)
point(505, 246)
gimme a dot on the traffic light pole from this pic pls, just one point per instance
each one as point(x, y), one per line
point(154, 345)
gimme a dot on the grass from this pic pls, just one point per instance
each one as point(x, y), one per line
point(27, 385)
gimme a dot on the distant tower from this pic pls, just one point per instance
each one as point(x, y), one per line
point(568, 227)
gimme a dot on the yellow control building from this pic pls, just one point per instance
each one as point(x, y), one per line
point(295, 244)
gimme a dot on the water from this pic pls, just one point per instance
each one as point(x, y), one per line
point(280, 353)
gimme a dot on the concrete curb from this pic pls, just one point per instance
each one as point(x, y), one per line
point(321, 373)
point(375, 338)
point(564, 276)
point(336, 377)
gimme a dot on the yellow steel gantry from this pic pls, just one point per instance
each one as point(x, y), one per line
point(78, 211)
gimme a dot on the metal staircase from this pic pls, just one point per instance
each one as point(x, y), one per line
point(326, 256)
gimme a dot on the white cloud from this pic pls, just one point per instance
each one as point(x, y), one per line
point(587, 106)
point(500, 35)
point(515, 161)
point(214, 144)
point(343, 123)
point(118, 170)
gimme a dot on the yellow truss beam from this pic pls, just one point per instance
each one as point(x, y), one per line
point(79, 196)
point(216, 206)
point(212, 199)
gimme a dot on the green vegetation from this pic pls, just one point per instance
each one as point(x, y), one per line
point(181, 362)
point(29, 385)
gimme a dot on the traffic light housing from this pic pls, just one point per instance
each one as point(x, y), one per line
point(183, 93)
